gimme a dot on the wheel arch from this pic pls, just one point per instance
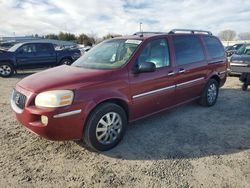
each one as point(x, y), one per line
point(66, 57)
point(215, 77)
point(118, 101)
point(8, 61)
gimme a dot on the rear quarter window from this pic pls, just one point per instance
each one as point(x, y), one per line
point(44, 47)
point(214, 47)
point(188, 49)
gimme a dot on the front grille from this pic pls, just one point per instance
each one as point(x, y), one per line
point(19, 99)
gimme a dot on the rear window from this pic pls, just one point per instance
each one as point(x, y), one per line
point(43, 47)
point(214, 47)
point(188, 49)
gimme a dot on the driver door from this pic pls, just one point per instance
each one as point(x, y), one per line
point(153, 91)
point(26, 56)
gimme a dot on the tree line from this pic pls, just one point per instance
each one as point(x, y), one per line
point(91, 39)
point(86, 40)
point(229, 35)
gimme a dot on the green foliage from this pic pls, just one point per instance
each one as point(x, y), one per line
point(86, 40)
point(109, 36)
point(66, 36)
point(227, 35)
point(52, 36)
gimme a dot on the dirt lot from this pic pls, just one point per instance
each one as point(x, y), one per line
point(190, 146)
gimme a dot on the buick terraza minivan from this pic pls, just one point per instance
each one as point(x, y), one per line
point(119, 81)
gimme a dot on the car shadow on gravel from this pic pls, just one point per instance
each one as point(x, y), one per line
point(24, 73)
point(190, 131)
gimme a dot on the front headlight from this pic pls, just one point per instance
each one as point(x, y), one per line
point(55, 98)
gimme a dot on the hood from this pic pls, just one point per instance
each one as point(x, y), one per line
point(6, 54)
point(63, 77)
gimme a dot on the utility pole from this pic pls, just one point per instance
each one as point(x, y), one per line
point(140, 27)
point(14, 36)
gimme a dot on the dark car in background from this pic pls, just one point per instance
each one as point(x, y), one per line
point(240, 64)
point(4, 46)
point(230, 50)
point(240, 61)
point(32, 55)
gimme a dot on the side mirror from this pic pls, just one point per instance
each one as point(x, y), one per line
point(145, 67)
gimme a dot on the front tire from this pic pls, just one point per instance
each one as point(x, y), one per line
point(210, 93)
point(6, 70)
point(105, 127)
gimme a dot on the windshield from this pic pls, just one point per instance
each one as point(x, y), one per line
point(15, 47)
point(108, 54)
point(243, 50)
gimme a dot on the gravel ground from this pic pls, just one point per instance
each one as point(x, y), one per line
point(189, 146)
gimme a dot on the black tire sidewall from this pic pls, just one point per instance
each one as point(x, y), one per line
point(64, 60)
point(96, 115)
point(12, 70)
point(244, 87)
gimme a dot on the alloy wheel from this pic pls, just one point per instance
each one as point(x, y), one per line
point(212, 93)
point(109, 128)
point(5, 70)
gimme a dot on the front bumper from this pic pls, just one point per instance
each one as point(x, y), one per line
point(64, 123)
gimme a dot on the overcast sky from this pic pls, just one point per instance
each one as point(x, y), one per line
point(26, 17)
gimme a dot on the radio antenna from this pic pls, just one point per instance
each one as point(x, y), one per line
point(141, 29)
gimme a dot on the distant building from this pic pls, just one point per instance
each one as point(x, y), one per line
point(20, 39)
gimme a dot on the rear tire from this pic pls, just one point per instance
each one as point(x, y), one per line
point(210, 93)
point(244, 87)
point(105, 127)
point(66, 61)
point(6, 70)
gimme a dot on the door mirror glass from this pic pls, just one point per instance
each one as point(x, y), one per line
point(145, 67)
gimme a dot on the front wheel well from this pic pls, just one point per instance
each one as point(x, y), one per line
point(217, 78)
point(9, 62)
point(118, 102)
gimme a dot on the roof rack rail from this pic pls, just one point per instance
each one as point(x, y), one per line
point(192, 31)
point(148, 33)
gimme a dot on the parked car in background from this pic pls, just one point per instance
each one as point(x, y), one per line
point(230, 50)
point(119, 81)
point(240, 61)
point(32, 55)
point(85, 49)
point(4, 46)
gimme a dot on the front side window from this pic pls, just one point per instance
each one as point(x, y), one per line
point(214, 47)
point(188, 49)
point(245, 49)
point(155, 52)
point(108, 54)
point(28, 48)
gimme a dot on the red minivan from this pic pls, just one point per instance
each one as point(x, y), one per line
point(119, 81)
